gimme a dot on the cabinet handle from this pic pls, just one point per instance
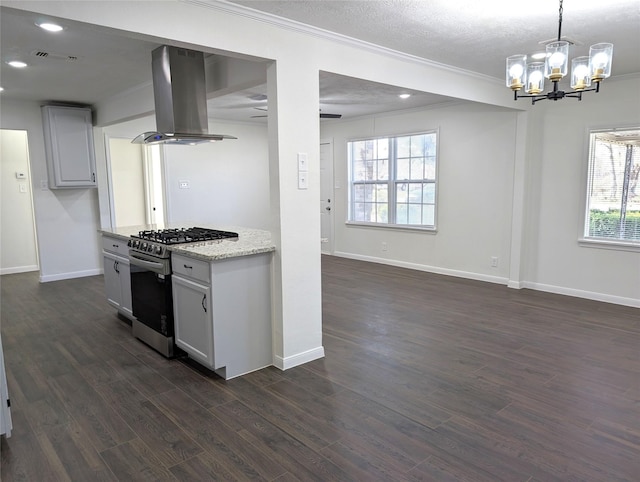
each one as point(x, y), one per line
point(115, 266)
point(93, 177)
point(115, 245)
point(188, 267)
point(204, 298)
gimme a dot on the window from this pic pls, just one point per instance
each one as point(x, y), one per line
point(393, 180)
point(613, 196)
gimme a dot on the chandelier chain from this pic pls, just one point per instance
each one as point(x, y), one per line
point(560, 21)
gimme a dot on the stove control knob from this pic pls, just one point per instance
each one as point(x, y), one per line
point(158, 249)
point(136, 244)
point(130, 243)
point(144, 246)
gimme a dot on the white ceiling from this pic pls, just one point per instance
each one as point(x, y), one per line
point(468, 34)
point(474, 35)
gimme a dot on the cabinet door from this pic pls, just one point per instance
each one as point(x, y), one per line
point(68, 134)
point(193, 320)
point(112, 280)
point(126, 304)
point(5, 412)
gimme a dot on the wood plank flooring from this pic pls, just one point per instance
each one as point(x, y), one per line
point(426, 377)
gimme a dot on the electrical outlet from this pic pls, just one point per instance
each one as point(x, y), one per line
point(494, 261)
point(184, 184)
point(384, 246)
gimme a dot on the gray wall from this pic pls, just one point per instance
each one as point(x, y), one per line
point(67, 220)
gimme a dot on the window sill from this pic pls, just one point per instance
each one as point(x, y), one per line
point(609, 244)
point(397, 227)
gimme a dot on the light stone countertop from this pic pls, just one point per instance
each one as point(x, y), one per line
point(250, 241)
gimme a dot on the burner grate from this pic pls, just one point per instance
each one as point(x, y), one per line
point(184, 235)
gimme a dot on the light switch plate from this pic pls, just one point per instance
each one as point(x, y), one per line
point(184, 184)
point(303, 181)
point(303, 162)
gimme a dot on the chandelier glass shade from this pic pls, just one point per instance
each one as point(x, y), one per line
point(528, 74)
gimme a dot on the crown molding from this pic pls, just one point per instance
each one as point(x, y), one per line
point(299, 27)
point(629, 76)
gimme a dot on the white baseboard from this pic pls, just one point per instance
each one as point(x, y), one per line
point(19, 269)
point(298, 359)
point(74, 274)
point(423, 267)
point(590, 295)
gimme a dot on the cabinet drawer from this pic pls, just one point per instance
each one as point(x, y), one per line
point(115, 245)
point(191, 268)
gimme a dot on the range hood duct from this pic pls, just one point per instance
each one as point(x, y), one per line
point(180, 96)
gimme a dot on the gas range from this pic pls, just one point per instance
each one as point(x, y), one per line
point(151, 284)
point(156, 242)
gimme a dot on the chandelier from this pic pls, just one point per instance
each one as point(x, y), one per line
point(585, 71)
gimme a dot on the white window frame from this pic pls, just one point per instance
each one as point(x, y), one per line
point(391, 184)
point(596, 241)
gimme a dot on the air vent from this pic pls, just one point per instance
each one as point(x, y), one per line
point(186, 53)
point(43, 54)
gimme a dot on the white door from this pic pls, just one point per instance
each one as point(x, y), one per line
point(326, 197)
point(154, 185)
point(127, 182)
point(135, 181)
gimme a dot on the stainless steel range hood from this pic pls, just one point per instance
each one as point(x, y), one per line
point(180, 95)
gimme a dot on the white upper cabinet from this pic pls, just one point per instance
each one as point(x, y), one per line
point(68, 140)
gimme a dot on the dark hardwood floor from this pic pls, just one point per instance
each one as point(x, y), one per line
point(426, 377)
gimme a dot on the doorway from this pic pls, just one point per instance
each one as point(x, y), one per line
point(19, 251)
point(326, 197)
point(136, 190)
point(154, 184)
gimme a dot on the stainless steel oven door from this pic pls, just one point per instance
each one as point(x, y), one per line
point(152, 263)
point(152, 301)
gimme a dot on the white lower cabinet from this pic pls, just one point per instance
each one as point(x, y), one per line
point(117, 282)
point(222, 312)
point(5, 411)
point(193, 320)
point(117, 275)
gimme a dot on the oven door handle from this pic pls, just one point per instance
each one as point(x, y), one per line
point(151, 265)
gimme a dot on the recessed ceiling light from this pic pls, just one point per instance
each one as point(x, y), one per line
point(17, 64)
point(50, 27)
point(1, 89)
point(404, 96)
